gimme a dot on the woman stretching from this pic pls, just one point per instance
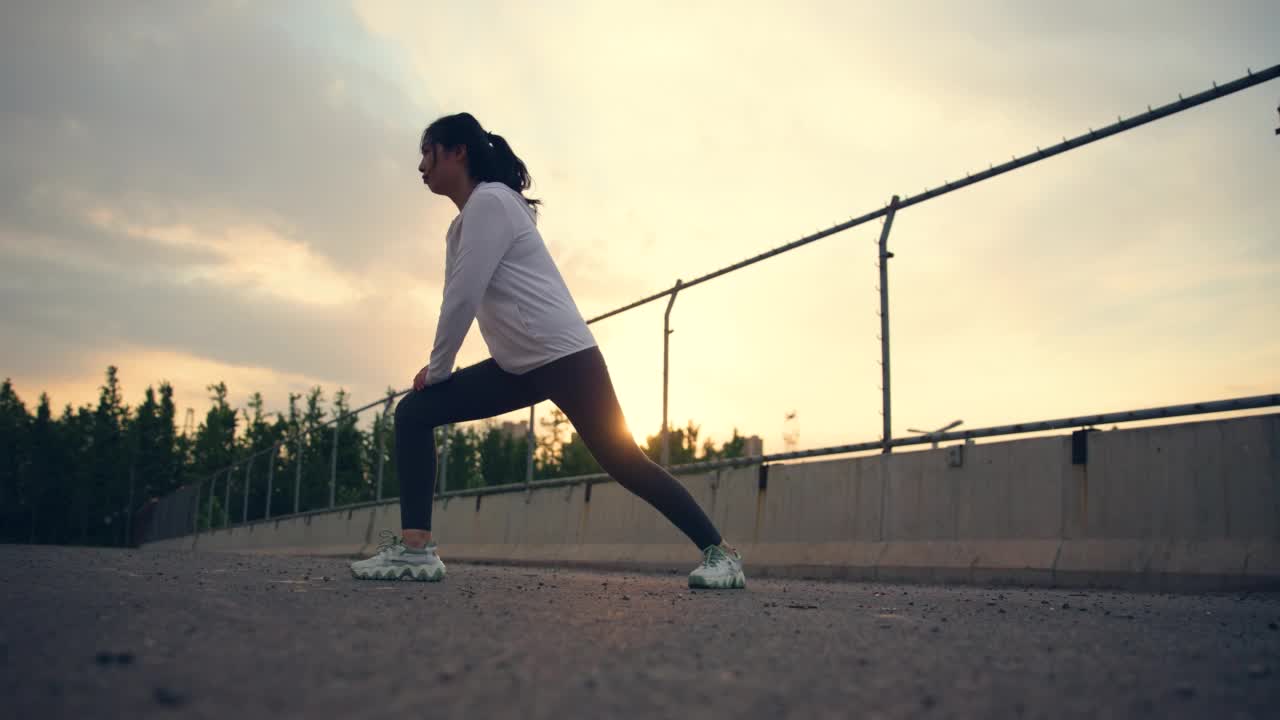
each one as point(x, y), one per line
point(498, 272)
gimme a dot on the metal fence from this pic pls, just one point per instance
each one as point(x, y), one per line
point(179, 512)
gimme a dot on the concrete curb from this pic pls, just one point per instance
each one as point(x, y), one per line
point(1181, 507)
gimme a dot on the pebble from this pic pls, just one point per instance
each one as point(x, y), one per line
point(166, 696)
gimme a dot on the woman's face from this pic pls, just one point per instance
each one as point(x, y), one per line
point(442, 169)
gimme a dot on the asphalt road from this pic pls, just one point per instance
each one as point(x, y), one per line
point(98, 633)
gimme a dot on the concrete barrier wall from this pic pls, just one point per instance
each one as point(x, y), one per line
point(1190, 506)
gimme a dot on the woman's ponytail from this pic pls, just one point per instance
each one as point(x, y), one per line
point(489, 156)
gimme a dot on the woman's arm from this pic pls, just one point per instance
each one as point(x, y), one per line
point(487, 234)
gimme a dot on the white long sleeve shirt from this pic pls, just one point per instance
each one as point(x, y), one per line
point(498, 272)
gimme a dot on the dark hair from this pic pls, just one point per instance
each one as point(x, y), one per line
point(489, 157)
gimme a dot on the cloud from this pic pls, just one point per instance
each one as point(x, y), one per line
point(253, 259)
point(202, 181)
point(212, 109)
point(230, 186)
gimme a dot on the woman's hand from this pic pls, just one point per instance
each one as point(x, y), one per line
point(420, 380)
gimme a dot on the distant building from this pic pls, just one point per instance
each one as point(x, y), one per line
point(753, 446)
point(515, 430)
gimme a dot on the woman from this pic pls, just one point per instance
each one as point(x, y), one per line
point(498, 271)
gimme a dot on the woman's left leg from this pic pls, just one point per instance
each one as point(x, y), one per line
point(479, 391)
point(580, 385)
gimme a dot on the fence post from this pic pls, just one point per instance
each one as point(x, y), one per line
point(213, 486)
point(198, 486)
point(444, 460)
point(297, 477)
point(128, 518)
point(666, 351)
point(333, 461)
point(226, 499)
point(248, 474)
point(528, 466)
point(382, 442)
point(271, 473)
point(884, 321)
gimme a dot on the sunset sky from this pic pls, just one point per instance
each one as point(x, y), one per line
point(206, 191)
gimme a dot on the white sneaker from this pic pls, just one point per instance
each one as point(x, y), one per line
point(720, 568)
point(395, 561)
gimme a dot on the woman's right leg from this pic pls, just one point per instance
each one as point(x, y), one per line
point(479, 391)
point(581, 386)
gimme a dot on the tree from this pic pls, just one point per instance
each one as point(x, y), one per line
point(315, 456)
point(684, 446)
point(76, 477)
point(167, 470)
point(464, 460)
point(16, 489)
point(503, 458)
point(75, 440)
point(143, 438)
point(267, 444)
point(156, 458)
point(548, 448)
point(49, 464)
point(291, 453)
point(383, 441)
point(576, 458)
point(734, 447)
point(214, 447)
point(213, 452)
point(258, 435)
point(109, 458)
point(683, 443)
point(354, 483)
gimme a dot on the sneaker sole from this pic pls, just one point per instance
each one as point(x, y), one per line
point(737, 582)
point(400, 573)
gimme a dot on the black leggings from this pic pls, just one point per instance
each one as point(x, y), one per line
point(580, 385)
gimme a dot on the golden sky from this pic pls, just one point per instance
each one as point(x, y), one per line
point(228, 191)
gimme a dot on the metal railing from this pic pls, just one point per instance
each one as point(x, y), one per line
point(171, 519)
point(1084, 421)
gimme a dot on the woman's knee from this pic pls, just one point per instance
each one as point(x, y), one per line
point(616, 456)
point(404, 407)
point(414, 409)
